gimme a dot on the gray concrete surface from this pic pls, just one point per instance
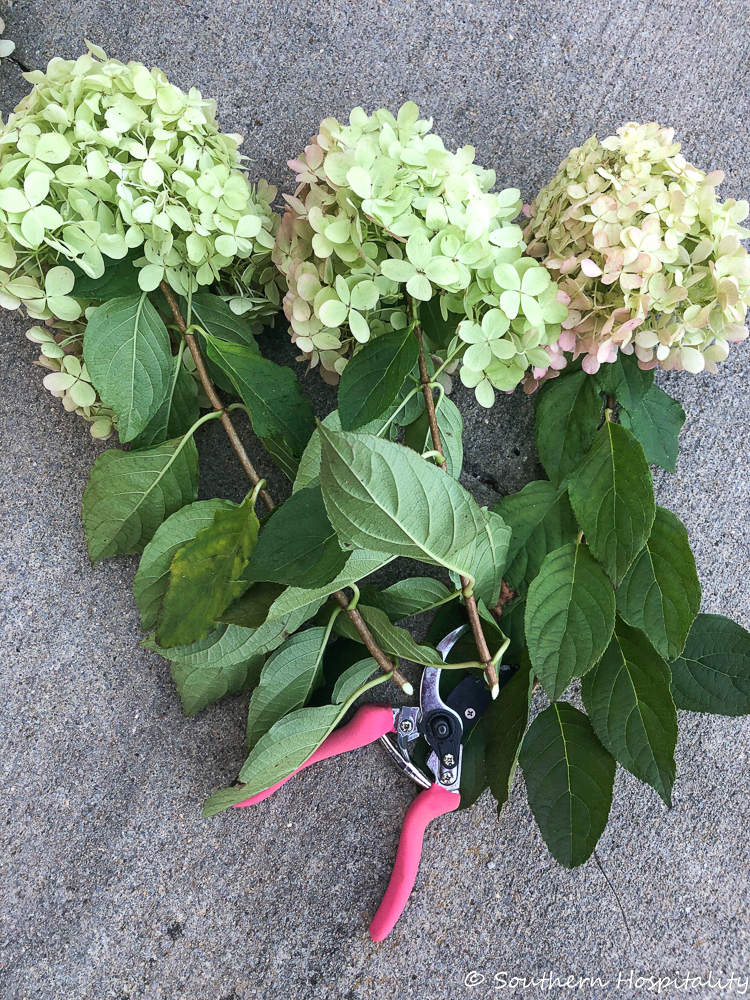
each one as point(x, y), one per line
point(111, 886)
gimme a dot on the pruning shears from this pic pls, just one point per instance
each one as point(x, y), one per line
point(443, 725)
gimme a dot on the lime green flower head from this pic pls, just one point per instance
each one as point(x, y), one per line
point(647, 257)
point(103, 161)
point(384, 217)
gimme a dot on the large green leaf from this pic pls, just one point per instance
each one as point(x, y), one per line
point(129, 494)
point(352, 679)
point(298, 545)
point(612, 495)
point(473, 773)
point(227, 659)
point(153, 570)
point(214, 315)
point(568, 411)
point(628, 700)
point(623, 379)
point(570, 615)
point(661, 593)
point(281, 416)
point(713, 672)
point(451, 427)
point(373, 378)
point(656, 424)
point(288, 679)
point(569, 778)
point(490, 557)
point(383, 496)
point(223, 663)
point(177, 413)
point(438, 330)
point(394, 640)
point(540, 520)
point(407, 597)
point(205, 575)
point(360, 564)
point(504, 723)
point(128, 357)
point(120, 278)
point(277, 754)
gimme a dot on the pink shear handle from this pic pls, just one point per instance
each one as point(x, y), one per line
point(369, 723)
point(432, 802)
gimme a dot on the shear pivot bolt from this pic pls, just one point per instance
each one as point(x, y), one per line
point(449, 760)
point(405, 726)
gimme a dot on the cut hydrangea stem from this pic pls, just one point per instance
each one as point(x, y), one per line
point(490, 671)
point(213, 396)
point(355, 617)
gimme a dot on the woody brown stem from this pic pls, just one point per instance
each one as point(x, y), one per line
point(490, 672)
point(210, 389)
point(369, 640)
point(213, 396)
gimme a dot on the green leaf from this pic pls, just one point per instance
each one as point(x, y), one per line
point(567, 414)
point(128, 357)
point(504, 723)
point(372, 380)
point(570, 615)
point(360, 564)
point(256, 604)
point(451, 427)
point(612, 495)
point(438, 331)
point(383, 496)
point(214, 315)
point(407, 597)
point(569, 778)
point(656, 424)
point(628, 700)
point(288, 679)
point(153, 570)
point(129, 494)
point(205, 575)
point(120, 278)
point(491, 551)
point(352, 679)
point(713, 672)
point(284, 748)
point(281, 416)
point(540, 520)
point(223, 663)
point(473, 775)
point(624, 380)
point(392, 639)
point(513, 626)
point(298, 545)
point(177, 413)
point(661, 593)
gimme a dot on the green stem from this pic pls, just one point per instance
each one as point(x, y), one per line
point(389, 421)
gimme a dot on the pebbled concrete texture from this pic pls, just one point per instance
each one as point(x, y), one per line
point(111, 884)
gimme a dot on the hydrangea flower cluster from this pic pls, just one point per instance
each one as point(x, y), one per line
point(384, 213)
point(103, 161)
point(649, 260)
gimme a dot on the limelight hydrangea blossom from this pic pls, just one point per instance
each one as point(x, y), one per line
point(103, 161)
point(648, 258)
point(384, 213)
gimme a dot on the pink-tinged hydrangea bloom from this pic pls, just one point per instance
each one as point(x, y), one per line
point(650, 261)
